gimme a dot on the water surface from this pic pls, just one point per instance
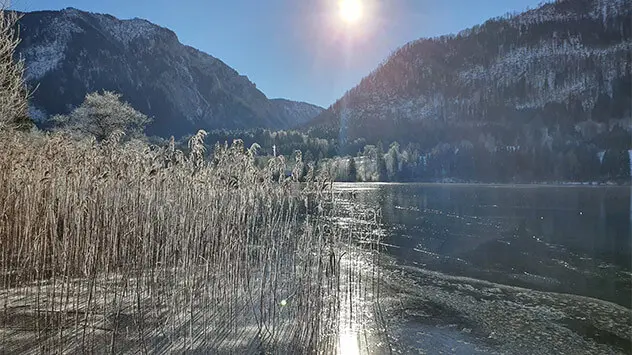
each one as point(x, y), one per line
point(503, 269)
point(566, 239)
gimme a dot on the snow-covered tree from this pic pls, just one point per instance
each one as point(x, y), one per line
point(13, 92)
point(101, 114)
point(352, 170)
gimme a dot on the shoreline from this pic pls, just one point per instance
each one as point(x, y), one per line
point(487, 184)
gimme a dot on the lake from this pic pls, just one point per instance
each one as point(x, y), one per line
point(549, 243)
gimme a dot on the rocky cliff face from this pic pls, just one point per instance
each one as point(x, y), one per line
point(70, 53)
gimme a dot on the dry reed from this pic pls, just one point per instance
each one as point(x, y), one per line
point(13, 90)
point(110, 247)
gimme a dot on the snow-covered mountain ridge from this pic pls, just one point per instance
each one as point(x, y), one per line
point(554, 70)
point(70, 53)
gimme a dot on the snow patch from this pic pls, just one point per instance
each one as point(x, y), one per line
point(537, 16)
point(126, 31)
point(45, 58)
point(48, 56)
point(605, 9)
point(299, 109)
point(600, 155)
point(516, 65)
point(602, 10)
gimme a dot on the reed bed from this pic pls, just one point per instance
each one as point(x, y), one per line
point(122, 247)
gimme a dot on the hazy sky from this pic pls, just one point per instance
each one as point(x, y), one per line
point(298, 49)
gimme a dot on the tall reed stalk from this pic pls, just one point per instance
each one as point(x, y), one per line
point(110, 247)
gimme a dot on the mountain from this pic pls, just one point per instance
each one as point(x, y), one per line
point(70, 53)
point(296, 113)
point(555, 79)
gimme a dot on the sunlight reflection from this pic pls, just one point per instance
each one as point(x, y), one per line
point(348, 343)
point(350, 325)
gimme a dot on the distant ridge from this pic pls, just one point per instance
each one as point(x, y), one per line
point(70, 53)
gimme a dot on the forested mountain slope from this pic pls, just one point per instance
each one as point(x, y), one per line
point(541, 95)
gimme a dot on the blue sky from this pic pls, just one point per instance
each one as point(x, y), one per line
point(298, 49)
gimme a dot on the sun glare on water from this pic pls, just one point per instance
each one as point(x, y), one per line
point(350, 10)
point(348, 344)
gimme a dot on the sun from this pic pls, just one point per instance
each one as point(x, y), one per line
point(350, 10)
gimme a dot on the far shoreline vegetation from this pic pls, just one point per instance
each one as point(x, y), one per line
point(476, 164)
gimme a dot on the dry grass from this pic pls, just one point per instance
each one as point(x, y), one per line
point(122, 247)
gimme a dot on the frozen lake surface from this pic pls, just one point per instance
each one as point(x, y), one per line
point(501, 269)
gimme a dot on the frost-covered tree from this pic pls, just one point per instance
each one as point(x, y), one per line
point(392, 160)
point(101, 114)
point(352, 170)
point(616, 165)
point(381, 164)
point(13, 91)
